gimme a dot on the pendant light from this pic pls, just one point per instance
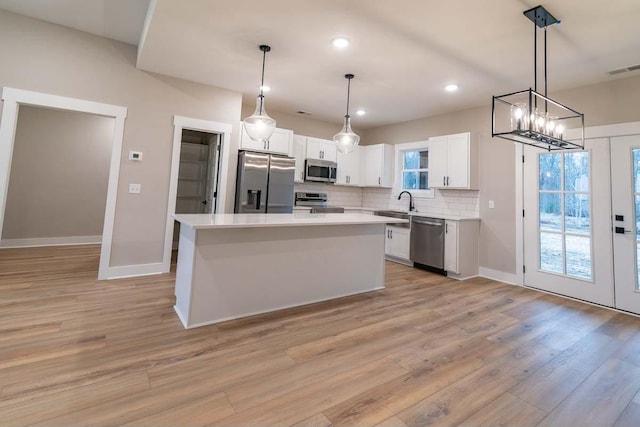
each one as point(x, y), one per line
point(533, 118)
point(346, 140)
point(259, 126)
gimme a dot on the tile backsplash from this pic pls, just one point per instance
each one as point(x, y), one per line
point(462, 203)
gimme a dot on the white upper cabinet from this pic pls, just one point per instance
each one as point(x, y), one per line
point(452, 162)
point(279, 143)
point(378, 165)
point(349, 172)
point(321, 149)
point(300, 154)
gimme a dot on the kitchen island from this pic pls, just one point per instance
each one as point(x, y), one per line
point(237, 265)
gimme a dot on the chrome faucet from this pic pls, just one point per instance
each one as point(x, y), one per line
point(411, 207)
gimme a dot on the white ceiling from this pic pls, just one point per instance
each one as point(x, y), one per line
point(403, 53)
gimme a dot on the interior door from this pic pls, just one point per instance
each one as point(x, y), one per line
point(625, 197)
point(567, 222)
point(213, 169)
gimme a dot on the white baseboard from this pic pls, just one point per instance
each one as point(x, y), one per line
point(500, 276)
point(125, 271)
point(50, 241)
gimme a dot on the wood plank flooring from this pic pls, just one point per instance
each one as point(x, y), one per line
point(427, 350)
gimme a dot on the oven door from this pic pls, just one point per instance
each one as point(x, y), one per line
point(317, 171)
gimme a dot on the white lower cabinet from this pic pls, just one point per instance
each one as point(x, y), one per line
point(461, 248)
point(451, 246)
point(397, 242)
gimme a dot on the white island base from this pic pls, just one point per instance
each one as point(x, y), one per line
point(230, 266)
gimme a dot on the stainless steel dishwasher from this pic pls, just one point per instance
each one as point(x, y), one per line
point(427, 243)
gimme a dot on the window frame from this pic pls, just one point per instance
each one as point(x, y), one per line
point(400, 149)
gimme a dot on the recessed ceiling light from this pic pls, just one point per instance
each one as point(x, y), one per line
point(361, 112)
point(451, 88)
point(265, 88)
point(340, 42)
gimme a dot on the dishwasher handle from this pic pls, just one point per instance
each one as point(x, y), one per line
point(428, 222)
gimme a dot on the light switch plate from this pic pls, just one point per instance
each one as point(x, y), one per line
point(492, 204)
point(134, 188)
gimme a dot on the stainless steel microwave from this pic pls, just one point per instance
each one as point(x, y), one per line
point(320, 170)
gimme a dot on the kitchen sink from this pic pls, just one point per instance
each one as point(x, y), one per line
point(394, 214)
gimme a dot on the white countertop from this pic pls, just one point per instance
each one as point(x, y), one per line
point(204, 221)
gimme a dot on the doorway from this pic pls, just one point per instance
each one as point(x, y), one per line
point(198, 175)
point(581, 234)
point(204, 133)
point(12, 100)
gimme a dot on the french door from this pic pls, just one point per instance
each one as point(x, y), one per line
point(582, 221)
point(625, 197)
point(567, 223)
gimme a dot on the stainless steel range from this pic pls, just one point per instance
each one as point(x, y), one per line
point(317, 202)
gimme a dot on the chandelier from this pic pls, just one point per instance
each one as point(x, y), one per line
point(530, 117)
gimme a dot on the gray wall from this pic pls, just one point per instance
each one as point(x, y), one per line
point(48, 58)
point(59, 174)
point(611, 102)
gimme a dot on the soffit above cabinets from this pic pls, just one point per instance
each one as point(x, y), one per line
point(403, 53)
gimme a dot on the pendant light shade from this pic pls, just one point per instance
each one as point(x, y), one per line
point(259, 126)
point(347, 140)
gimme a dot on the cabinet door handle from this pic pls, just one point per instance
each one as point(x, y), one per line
point(447, 181)
point(444, 181)
point(446, 227)
point(391, 232)
point(379, 181)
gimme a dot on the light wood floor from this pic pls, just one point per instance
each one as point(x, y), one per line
point(428, 350)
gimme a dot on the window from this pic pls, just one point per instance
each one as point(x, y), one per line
point(412, 169)
point(565, 214)
point(415, 170)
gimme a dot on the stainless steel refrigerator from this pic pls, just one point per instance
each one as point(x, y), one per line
point(264, 183)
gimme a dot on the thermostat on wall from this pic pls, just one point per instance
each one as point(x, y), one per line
point(135, 155)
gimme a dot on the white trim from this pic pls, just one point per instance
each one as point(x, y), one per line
point(50, 241)
point(12, 99)
point(499, 276)
point(519, 276)
point(137, 270)
point(606, 131)
point(180, 123)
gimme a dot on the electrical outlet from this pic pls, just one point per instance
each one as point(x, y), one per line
point(492, 204)
point(134, 188)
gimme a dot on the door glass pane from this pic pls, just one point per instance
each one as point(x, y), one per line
point(576, 171)
point(551, 252)
point(637, 217)
point(409, 180)
point(550, 211)
point(578, 253)
point(576, 213)
point(636, 170)
point(638, 264)
point(550, 171)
